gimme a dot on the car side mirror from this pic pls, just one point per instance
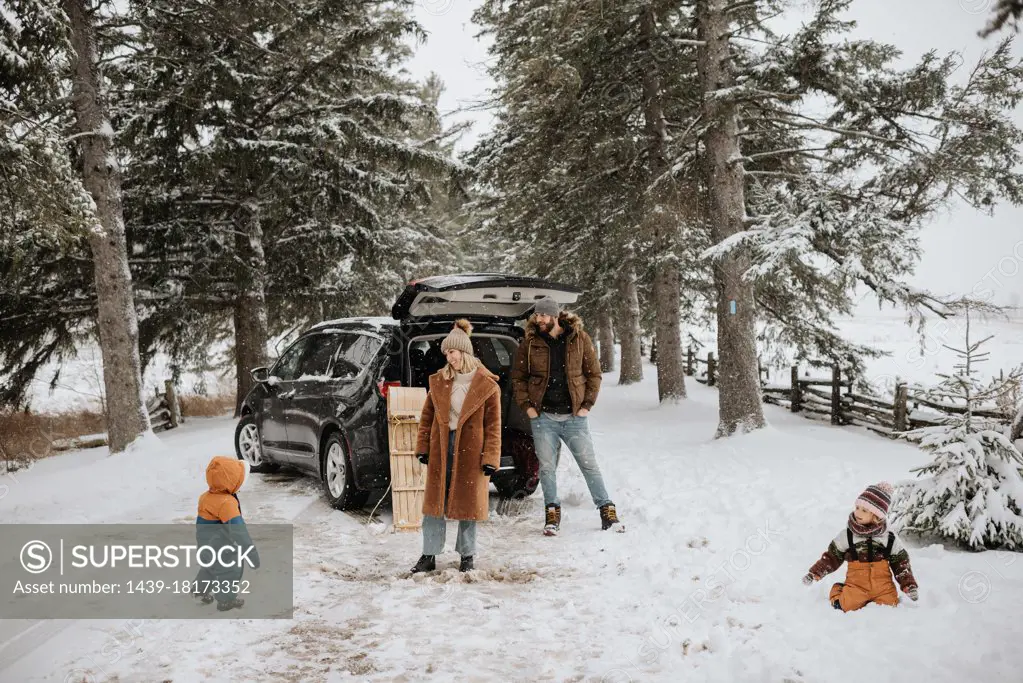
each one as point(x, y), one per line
point(260, 374)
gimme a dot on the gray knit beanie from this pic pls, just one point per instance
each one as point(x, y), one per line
point(547, 306)
point(458, 337)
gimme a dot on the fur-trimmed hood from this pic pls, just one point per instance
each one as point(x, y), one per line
point(570, 321)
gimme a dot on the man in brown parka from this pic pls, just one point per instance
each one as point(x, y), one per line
point(555, 380)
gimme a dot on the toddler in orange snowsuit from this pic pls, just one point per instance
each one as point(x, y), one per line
point(873, 553)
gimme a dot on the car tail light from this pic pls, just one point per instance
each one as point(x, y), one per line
point(384, 387)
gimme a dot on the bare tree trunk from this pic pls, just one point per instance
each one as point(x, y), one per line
point(739, 396)
point(663, 219)
point(670, 366)
point(126, 414)
point(606, 334)
point(629, 331)
point(250, 317)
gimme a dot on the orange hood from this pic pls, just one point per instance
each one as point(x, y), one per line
point(226, 475)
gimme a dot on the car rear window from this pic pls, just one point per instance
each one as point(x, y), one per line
point(496, 352)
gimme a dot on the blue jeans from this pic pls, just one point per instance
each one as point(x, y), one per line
point(435, 529)
point(575, 432)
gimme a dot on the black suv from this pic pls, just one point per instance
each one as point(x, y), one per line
point(322, 407)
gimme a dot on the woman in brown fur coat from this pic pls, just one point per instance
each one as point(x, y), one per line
point(460, 444)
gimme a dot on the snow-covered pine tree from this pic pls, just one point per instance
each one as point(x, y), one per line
point(126, 415)
point(45, 271)
point(574, 174)
point(842, 157)
point(740, 407)
point(972, 490)
point(837, 193)
point(429, 236)
point(277, 159)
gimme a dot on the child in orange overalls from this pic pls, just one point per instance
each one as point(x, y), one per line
point(873, 553)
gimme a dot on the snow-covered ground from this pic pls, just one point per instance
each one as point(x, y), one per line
point(749, 514)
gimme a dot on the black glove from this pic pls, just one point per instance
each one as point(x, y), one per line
point(423, 457)
point(489, 470)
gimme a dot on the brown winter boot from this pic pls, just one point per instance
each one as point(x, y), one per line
point(553, 521)
point(608, 516)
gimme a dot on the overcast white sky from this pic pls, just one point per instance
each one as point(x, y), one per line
point(962, 248)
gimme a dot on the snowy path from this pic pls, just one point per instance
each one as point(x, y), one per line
point(704, 586)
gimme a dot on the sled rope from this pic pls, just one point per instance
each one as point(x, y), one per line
point(378, 504)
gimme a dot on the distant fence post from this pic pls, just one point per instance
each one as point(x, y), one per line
point(172, 403)
point(836, 394)
point(690, 361)
point(901, 413)
point(795, 398)
point(711, 366)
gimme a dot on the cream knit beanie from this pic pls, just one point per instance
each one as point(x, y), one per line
point(458, 338)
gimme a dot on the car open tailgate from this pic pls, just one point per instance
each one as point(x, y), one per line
point(480, 295)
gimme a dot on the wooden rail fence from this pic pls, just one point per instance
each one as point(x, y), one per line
point(833, 400)
point(164, 413)
point(164, 409)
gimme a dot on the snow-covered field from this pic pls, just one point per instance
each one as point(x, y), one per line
point(703, 586)
point(913, 357)
point(917, 360)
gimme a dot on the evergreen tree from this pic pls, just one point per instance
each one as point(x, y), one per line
point(740, 407)
point(972, 491)
point(117, 323)
point(775, 212)
point(837, 194)
point(50, 84)
point(45, 274)
point(278, 174)
point(575, 174)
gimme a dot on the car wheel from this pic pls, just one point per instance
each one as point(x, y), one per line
point(248, 447)
point(514, 485)
point(338, 480)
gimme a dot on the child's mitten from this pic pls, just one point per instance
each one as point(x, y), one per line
point(808, 579)
point(913, 595)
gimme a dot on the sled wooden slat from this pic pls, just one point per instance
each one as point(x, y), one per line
point(408, 475)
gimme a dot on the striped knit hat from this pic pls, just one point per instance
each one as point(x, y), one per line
point(877, 498)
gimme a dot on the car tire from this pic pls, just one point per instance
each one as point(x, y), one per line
point(249, 447)
point(337, 476)
point(514, 485)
